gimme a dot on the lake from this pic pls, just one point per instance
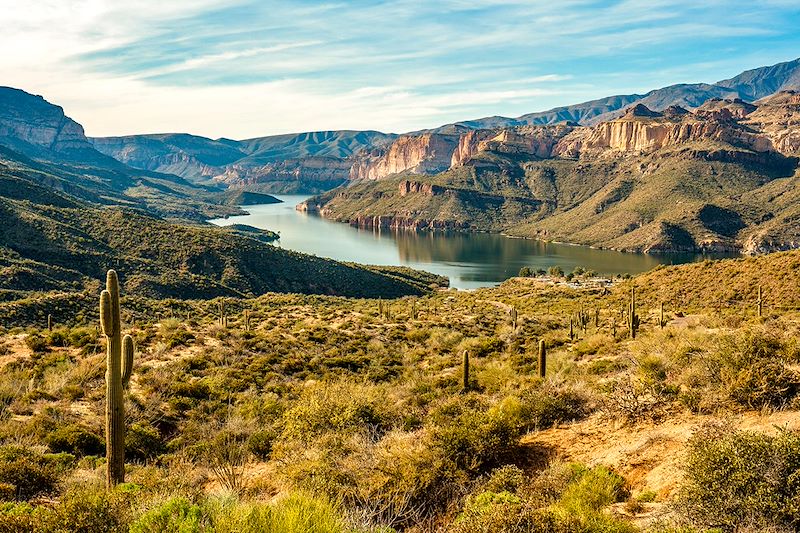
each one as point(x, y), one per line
point(470, 260)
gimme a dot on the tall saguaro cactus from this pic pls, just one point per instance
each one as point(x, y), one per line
point(118, 373)
point(760, 303)
point(633, 318)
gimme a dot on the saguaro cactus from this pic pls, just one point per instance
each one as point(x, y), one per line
point(661, 321)
point(246, 320)
point(633, 318)
point(571, 331)
point(542, 358)
point(49, 322)
point(759, 302)
point(223, 317)
point(513, 313)
point(115, 379)
point(465, 371)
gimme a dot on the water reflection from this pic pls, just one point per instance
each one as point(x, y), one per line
point(469, 260)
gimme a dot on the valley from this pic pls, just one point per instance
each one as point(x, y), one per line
point(350, 331)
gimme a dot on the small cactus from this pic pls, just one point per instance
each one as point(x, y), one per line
point(542, 358)
point(465, 371)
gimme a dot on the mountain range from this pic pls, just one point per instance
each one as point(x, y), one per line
point(318, 161)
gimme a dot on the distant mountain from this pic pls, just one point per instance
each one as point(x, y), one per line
point(319, 161)
point(749, 86)
point(39, 141)
point(303, 162)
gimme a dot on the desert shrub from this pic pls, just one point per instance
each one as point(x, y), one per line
point(36, 343)
point(173, 333)
point(142, 442)
point(577, 506)
point(295, 513)
point(544, 407)
point(175, 515)
point(227, 455)
point(742, 479)
point(260, 443)
point(58, 337)
point(507, 478)
point(75, 439)
point(30, 473)
point(17, 517)
point(332, 407)
point(84, 510)
point(475, 438)
point(752, 366)
point(592, 490)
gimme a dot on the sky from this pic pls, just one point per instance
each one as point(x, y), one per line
point(244, 68)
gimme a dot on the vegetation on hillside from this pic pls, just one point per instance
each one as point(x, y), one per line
point(337, 414)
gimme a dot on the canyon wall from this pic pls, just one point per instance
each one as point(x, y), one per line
point(31, 119)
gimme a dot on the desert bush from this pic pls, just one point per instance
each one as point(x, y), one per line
point(475, 438)
point(143, 442)
point(30, 472)
point(742, 479)
point(543, 407)
point(36, 343)
point(580, 495)
point(507, 478)
point(75, 439)
point(175, 515)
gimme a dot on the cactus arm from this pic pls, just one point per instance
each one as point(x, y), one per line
point(128, 349)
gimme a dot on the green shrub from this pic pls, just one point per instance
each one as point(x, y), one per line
point(476, 438)
point(544, 407)
point(29, 472)
point(507, 478)
point(36, 343)
point(143, 442)
point(84, 510)
point(260, 443)
point(176, 515)
point(736, 478)
point(75, 439)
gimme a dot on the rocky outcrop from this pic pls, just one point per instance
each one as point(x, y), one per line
point(778, 119)
point(312, 174)
point(423, 154)
point(642, 130)
point(31, 119)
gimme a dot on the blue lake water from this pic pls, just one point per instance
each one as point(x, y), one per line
point(470, 260)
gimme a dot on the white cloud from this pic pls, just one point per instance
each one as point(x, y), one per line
point(204, 67)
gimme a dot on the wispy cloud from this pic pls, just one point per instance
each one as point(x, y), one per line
point(248, 68)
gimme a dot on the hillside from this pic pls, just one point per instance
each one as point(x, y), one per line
point(51, 241)
point(721, 178)
point(354, 415)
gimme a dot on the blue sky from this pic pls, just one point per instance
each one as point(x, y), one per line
point(249, 68)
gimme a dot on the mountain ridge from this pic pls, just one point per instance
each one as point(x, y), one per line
point(312, 162)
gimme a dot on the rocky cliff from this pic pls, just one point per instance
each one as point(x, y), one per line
point(428, 153)
point(31, 119)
